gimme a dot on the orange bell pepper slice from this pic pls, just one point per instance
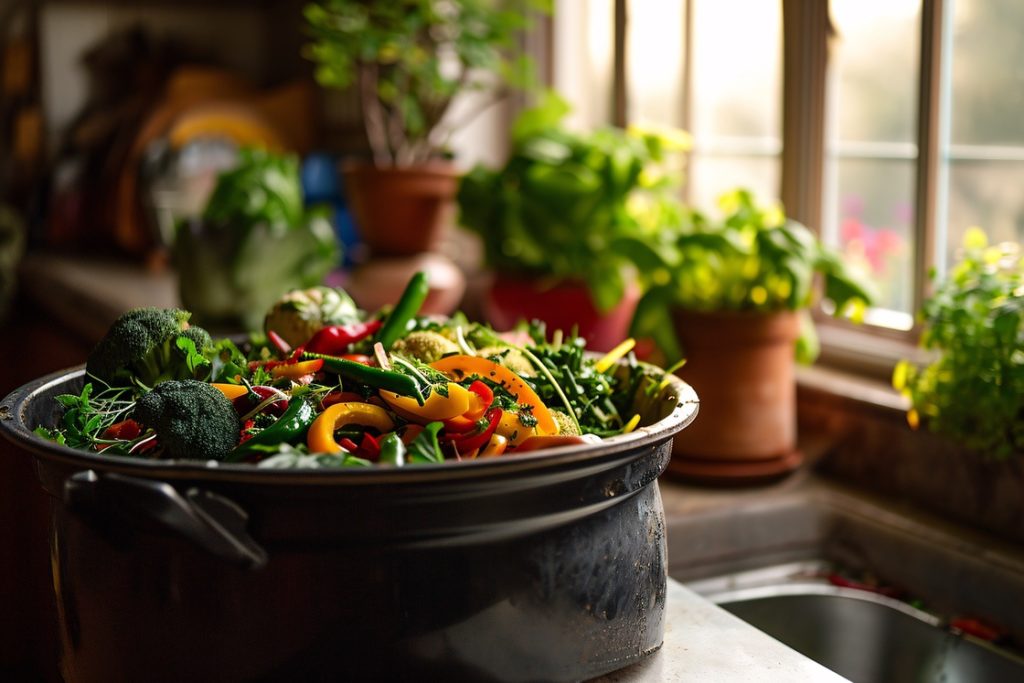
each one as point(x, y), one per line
point(320, 437)
point(232, 391)
point(436, 407)
point(297, 370)
point(461, 367)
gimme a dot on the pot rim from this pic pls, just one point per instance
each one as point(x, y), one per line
point(13, 409)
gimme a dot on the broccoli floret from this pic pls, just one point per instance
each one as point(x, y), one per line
point(565, 423)
point(425, 346)
point(192, 420)
point(511, 357)
point(141, 347)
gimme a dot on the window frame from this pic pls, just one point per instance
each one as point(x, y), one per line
point(807, 33)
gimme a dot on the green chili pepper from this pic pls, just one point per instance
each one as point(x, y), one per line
point(392, 450)
point(407, 307)
point(289, 428)
point(388, 380)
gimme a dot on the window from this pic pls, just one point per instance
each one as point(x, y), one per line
point(891, 126)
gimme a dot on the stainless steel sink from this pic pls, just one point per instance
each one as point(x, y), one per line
point(763, 558)
point(868, 637)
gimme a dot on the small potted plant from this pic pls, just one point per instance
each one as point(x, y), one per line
point(973, 390)
point(732, 295)
point(554, 218)
point(409, 61)
point(254, 241)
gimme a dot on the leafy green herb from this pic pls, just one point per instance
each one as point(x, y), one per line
point(425, 447)
point(564, 200)
point(973, 391)
point(753, 259)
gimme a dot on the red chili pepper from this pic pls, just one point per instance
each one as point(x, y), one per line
point(466, 443)
point(283, 347)
point(335, 339)
point(246, 432)
point(368, 448)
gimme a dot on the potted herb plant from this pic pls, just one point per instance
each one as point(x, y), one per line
point(552, 218)
point(409, 62)
point(973, 390)
point(732, 295)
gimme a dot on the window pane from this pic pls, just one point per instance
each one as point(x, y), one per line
point(875, 60)
point(987, 72)
point(714, 175)
point(656, 51)
point(737, 57)
point(876, 223)
point(872, 151)
point(987, 194)
point(583, 59)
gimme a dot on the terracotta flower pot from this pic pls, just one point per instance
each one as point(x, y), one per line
point(401, 211)
point(561, 304)
point(742, 367)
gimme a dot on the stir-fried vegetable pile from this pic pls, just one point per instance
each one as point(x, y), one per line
point(389, 388)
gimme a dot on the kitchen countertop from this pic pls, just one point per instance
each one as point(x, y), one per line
point(702, 641)
point(705, 643)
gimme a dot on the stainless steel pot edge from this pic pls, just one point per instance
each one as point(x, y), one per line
point(13, 409)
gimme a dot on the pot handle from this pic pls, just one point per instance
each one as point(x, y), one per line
point(209, 520)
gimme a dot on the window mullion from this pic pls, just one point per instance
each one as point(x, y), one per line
point(928, 141)
point(805, 64)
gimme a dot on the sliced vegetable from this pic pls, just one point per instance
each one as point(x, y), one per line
point(321, 434)
point(614, 355)
point(232, 391)
point(512, 429)
point(257, 395)
point(462, 367)
point(496, 445)
point(298, 369)
point(334, 340)
point(425, 447)
point(440, 405)
point(291, 427)
point(405, 310)
point(377, 378)
point(392, 450)
point(467, 443)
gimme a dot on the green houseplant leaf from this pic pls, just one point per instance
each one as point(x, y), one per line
point(578, 206)
point(973, 390)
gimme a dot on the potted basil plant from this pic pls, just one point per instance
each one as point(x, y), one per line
point(732, 295)
point(553, 218)
point(408, 62)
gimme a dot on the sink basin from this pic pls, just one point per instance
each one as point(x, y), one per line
point(763, 556)
point(868, 637)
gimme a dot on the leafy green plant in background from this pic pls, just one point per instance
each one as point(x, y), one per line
point(410, 59)
point(751, 259)
point(564, 200)
point(254, 241)
point(973, 391)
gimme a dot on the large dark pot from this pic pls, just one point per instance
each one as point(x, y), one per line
point(545, 566)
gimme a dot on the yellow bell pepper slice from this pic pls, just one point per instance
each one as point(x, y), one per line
point(496, 445)
point(513, 430)
point(297, 370)
point(320, 437)
point(614, 355)
point(231, 391)
point(460, 367)
point(436, 407)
